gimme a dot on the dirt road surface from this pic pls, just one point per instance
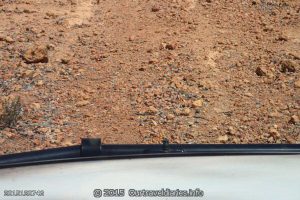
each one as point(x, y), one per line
point(138, 71)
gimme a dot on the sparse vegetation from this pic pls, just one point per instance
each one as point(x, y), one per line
point(11, 112)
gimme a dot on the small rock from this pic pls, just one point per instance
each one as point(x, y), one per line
point(248, 94)
point(261, 71)
point(82, 103)
point(223, 138)
point(50, 46)
point(9, 40)
point(17, 87)
point(39, 83)
point(36, 54)
point(231, 130)
point(236, 140)
point(186, 112)
point(268, 28)
point(131, 38)
point(27, 74)
point(2, 140)
point(155, 8)
point(297, 84)
point(44, 130)
point(36, 106)
point(153, 61)
point(198, 113)
point(152, 110)
point(170, 116)
point(288, 66)
point(170, 46)
point(290, 139)
point(274, 133)
point(65, 60)
point(271, 140)
point(294, 120)
point(274, 114)
point(67, 142)
point(255, 2)
point(282, 37)
point(198, 103)
point(177, 111)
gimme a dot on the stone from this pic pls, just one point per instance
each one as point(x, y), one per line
point(274, 133)
point(223, 138)
point(231, 130)
point(9, 40)
point(282, 37)
point(82, 103)
point(28, 74)
point(36, 54)
point(40, 83)
point(65, 60)
point(261, 71)
point(297, 84)
point(152, 110)
point(170, 46)
point(294, 120)
point(155, 8)
point(274, 114)
point(288, 66)
point(44, 130)
point(186, 112)
point(131, 38)
point(271, 140)
point(36, 106)
point(170, 116)
point(290, 139)
point(198, 103)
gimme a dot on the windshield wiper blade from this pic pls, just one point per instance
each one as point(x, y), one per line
point(92, 148)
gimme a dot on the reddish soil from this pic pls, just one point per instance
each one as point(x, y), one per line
point(138, 71)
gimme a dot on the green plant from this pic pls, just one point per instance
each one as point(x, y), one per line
point(11, 112)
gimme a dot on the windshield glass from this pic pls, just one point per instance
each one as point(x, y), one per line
point(136, 71)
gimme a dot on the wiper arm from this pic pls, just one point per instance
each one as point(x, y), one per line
point(92, 148)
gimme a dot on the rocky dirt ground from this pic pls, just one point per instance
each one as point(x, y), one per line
point(138, 71)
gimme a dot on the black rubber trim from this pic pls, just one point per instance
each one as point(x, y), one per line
point(105, 152)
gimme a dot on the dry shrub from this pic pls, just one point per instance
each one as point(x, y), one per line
point(11, 112)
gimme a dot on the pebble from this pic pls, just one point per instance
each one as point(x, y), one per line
point(198, 103)
point(65, 60)
point(274, 133)
point(152, 110)
point(170, 116)
point(297, 84)
point(271, 140)
point(274, 114)
point(261, 71)
point(27, 74)
point(294, 120)
point(8, 40)
point(231, 130)
point(36, 54)
point(223, 138)
point(186, 112)
point(290, 139)
point(44, 130)
point(170, 46)
point(155, 8)
point(40, 83)
point(131, 38)
point(82, 103)
point(288, 66)
point(36, 106)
